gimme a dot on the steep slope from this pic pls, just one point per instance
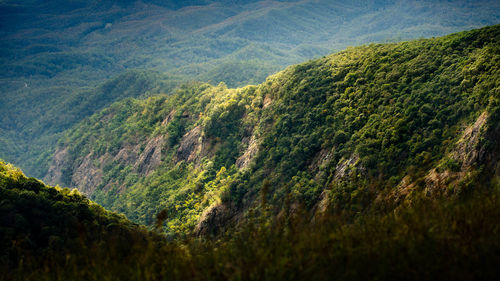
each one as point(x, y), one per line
point(48, 232)
point(369, 126)
point(53, 52)
point(30, 128)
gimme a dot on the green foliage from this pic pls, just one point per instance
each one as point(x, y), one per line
point(354, 123)
point(56, 234)
point(52, 225)
point(55, 56)
point(324, 142)
point(37, 118)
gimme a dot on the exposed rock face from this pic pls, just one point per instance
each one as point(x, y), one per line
point(267, 101)
point(55, 172)
point(128, 154)
point(190, 145)
point(168, 118)
point(468, 150)
point(213, 219)
point(436, 181)
point(252, 149)
point(404, 189)
point(87, 176)
point(323, 156)
point(345, 167)
point(322, 206)
point(150, 158)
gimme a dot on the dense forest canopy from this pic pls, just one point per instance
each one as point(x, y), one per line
point(55, 54)
point(183, 154)
point(43, 226)
point(49, 233)
point(377, 122)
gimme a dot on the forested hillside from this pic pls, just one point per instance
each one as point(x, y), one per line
point(379, 162)
point(370, 127)
point(43, 229)
point(49, 233)
point(56, 54)
point(34, 121)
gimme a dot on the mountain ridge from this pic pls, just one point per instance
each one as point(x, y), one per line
point(377, 162)
point(55, 52)
point(340, 131)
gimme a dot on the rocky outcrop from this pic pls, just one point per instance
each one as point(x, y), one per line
point(468, 150)
point(251, 151)
point(322, 206)
point(213, 219)
point(55, 173)
point(322, 157)
point(190, 145)
point(87, 176)
point(168, 118)
point(401, 192)
point(150, 158)
point(346, 167)
point(267, 101)
point(128, 154)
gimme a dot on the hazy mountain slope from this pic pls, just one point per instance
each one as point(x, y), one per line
point(372, 125)
point(110, 36)
point(53, 52)
point(34, 121)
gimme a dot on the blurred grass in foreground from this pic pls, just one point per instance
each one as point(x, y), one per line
point(432, 239)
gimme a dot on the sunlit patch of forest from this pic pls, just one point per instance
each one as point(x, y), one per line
point(344, 129)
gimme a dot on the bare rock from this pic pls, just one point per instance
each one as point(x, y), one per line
point(321, 206)
point(128, 154)
point(402, 191)
point(150, 158)
point(345, 167)
point(322, 157)
point(468, 150)
point(55, 172)
point(213, 219)
point(252, 149)
point(86, 177)
point(190, 145)
point(168, 118)
point(267, 101)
